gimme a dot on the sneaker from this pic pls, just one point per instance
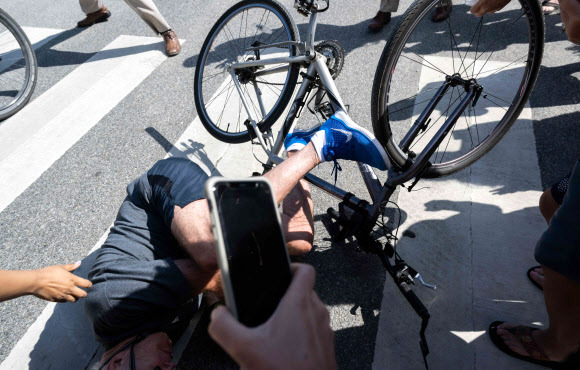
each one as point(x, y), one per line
point(340, 138)
point(299, 139)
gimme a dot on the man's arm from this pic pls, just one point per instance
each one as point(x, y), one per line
point(53, 283)
point(297, 336)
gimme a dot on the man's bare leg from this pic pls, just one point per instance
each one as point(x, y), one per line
point(191, 225)
point(298, 217)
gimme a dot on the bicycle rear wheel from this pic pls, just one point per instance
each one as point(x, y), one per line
point(18, 68)
point(219, 105)
point(501, 51)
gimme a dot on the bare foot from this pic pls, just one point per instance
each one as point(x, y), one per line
point(538, 276)
point(539, 344)
point(515, 341)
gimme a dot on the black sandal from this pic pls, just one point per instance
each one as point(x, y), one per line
point(532, 280)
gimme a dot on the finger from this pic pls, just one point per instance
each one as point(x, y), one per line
point(83, 283)
point(78, 292)
point(475, 8)
point(72, 266)
point(322, 314)
point(70, 298)
point(302, 279)
point(227, 331)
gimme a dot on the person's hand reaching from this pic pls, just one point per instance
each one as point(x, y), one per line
point(297, 336)
point(58, 284)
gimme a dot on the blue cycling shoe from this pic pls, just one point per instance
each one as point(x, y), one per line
point(340, 138)
point(298, 139)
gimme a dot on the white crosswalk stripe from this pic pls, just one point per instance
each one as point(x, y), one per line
point(32, 140)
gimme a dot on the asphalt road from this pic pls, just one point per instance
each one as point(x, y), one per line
point(63, 213)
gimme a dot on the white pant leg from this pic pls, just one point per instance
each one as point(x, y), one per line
point(389, 6)
point(90, 6)
point(147, 10)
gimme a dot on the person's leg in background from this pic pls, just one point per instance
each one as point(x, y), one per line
point(383, 16)
point(147, 10)
point(558, 251)
point(550, 201)
point(95, 12)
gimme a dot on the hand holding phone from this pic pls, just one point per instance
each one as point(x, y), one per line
point(250, 246)
point(297, 336)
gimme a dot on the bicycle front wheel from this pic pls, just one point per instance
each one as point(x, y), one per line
point(18, 68)
point(502, 52)
point(266, 89)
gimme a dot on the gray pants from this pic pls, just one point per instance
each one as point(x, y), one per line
point(146, 9)
point(391, 6)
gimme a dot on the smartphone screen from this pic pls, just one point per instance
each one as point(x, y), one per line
point(256, 253)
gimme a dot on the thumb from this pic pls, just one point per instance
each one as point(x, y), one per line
point(228, 332)
point(72, 266)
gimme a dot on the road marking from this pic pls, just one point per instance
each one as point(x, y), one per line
point(33, 139)
point(468, 336)
point(10, 49)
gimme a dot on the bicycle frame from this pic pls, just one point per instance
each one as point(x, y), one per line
point(317, 68)
point(362, 225)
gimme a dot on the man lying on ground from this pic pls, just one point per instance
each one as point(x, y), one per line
point(160, 253)
point(53, 283)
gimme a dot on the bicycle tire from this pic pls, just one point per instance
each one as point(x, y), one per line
point(30, 66)
point(290, 83)
point(382, 128)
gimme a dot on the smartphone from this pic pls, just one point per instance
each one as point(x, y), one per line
point(250, 246)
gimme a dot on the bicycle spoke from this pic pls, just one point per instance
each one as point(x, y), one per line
point(501, 68)
point(228, 95)
point(219, 94)
point(456, 46)
point(488, 99)
point(470, 42)
point(212, 76)
point(436, 69)
point(256, 111)
point(485, 92)
point(271, 87)
point(493, 44)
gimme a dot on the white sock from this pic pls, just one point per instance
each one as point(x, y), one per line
point(319, 141)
